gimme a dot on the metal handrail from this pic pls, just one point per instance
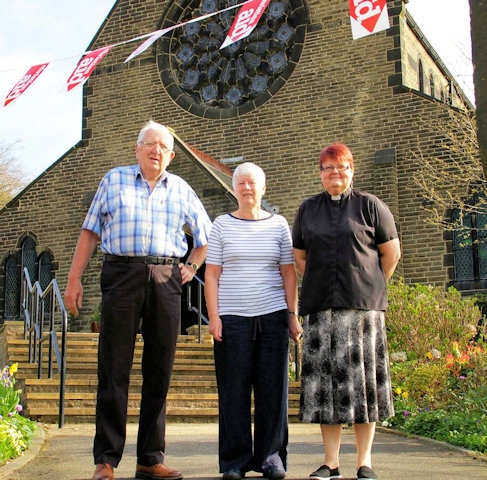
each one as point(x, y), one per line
point(198, 309)
point(34, 301)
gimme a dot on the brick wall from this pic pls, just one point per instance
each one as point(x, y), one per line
point(341, 90)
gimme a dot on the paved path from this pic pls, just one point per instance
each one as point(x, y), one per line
point(65, 454)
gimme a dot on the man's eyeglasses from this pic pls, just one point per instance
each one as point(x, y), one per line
point(332, 168)
point(151, 145)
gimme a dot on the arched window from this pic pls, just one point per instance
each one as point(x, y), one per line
point(12, 288)
point(470, 245)
point(45, 277)
point(29, 257)
point(40, 269)
point(420, 76)
point(45, 270)
point(432, 85)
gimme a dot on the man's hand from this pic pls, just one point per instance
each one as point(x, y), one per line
point(187, 273)
point(73, 297)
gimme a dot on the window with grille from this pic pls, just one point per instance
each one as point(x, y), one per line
point(39, 268)
point(12, 288)
point(470, 242)
point(45, 277)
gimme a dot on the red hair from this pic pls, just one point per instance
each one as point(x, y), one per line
point(336, 152)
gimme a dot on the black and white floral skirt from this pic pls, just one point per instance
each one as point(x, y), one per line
point(345, 368)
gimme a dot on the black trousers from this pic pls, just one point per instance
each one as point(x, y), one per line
point(131, 292)
point(254, 354)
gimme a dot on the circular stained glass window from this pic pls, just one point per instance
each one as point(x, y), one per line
point(221, 83)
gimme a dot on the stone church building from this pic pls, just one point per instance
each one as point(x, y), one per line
point(296, 84)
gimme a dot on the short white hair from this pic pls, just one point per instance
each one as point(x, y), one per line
point(248, 168)
point(157, 127)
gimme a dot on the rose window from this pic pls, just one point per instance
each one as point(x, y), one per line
point(215, 83)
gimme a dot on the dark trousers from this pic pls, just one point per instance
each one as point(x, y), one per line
point(131, 292)
point(253, 353)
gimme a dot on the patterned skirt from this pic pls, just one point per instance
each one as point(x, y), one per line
point(345, 368)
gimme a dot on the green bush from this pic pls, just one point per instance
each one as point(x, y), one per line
point(426, 385)
point(16, 431)
point(467, 386)
point(440, 390)
point(422, 317)
point(16, 434)
point(443, 398)
point(462, 429)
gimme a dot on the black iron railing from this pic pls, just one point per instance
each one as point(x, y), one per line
point(198, 308)
point(45, 317)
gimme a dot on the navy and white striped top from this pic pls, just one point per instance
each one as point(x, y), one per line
point(250, 252)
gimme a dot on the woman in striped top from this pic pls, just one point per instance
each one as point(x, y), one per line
point(251, 296)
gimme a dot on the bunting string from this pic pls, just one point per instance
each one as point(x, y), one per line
point(366, 17)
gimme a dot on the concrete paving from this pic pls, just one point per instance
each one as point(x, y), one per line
point(65, 454)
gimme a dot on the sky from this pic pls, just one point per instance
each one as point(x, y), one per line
point(45, 122)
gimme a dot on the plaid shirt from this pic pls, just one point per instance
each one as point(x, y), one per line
point(131, 220)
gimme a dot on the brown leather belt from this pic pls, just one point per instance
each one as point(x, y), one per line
point(148, 259)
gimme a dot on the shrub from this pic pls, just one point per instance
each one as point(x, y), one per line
point(426, 385)
point(422, 317)
point(468, 388)
point(16, 432)
point(443, 398)
point(460, 429)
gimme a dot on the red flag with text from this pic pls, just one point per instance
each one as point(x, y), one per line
point(246, 20)
point(86, 66)
point(25, 82)
point(368, 16)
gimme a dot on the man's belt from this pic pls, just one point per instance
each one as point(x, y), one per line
point(148, 259)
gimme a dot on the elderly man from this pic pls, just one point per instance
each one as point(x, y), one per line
point(138, 214)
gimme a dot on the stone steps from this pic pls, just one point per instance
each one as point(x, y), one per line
point(192, 395)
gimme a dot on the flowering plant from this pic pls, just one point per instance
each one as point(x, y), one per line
point(443, 397)
point(461, 363)
point(16, 431)
point(9, 396)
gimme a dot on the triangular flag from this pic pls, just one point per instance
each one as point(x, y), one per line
point(25, 82)
point(86, 66)
point(246, 20)
point(367, 17)
point(144, 46)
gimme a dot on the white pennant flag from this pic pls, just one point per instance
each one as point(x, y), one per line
point(368, 16)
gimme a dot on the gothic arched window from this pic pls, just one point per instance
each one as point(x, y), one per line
point(29, 257)
point(470, 244)
point(40, 268)
point(12, 288)
point(432, 85)
point(420, 76)
point(45, 277)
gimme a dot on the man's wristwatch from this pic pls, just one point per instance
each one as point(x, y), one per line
point(193, 266)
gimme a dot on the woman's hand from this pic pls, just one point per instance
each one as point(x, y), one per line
point(295, 327)
point(215, 328)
